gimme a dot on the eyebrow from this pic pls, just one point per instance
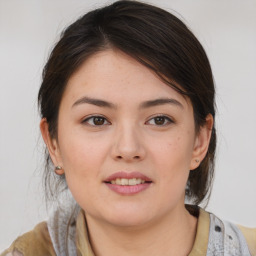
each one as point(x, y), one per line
point(146, 104)
point(93, 101)
point(161, 101)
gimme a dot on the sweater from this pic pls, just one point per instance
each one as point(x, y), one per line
point(66, 234)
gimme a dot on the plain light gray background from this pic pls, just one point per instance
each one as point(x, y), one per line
point(28, 29)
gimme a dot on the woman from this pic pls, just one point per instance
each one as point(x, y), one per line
point(127, 107)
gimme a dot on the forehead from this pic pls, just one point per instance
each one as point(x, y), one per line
point(117, 76)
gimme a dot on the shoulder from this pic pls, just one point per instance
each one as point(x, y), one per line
point(218, 237)
point(230, 238)
point(57, 236)
point(35, 242)
point(250, 236)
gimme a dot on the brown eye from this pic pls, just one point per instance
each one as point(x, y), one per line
point(160, 121)
point(96, 121)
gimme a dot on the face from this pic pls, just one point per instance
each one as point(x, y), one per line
point(126, 141)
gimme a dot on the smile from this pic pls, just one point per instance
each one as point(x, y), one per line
point(127, 182)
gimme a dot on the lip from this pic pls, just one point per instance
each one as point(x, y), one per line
point(126, 189)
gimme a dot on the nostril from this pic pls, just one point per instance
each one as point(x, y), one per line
point(135, 157)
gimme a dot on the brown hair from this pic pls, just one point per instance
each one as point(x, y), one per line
point(155, 38)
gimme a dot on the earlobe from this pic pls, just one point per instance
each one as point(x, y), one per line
point(202, 142)
point(51, 143)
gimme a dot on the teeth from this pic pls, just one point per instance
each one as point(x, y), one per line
point(125, 182)
point(132, 181)
point(138, 181)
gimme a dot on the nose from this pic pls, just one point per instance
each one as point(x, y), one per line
point(128, 145)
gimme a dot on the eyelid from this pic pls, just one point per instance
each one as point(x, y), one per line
point(168, 118)
point(87, 118)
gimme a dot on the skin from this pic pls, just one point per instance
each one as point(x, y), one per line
point(128, 139)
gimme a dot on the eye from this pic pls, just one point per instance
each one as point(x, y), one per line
point(160, 121)
point(96, 121)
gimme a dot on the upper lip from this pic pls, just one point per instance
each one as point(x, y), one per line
point(127, 175)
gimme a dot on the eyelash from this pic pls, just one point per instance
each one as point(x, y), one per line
point(93, 118)
point(167, 120)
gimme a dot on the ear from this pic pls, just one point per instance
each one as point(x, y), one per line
point(202, 142)
point(51, 144)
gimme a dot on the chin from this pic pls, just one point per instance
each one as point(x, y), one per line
point(128, 221)
point(129, 217)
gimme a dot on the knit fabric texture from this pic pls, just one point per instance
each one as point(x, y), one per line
point(225, 238)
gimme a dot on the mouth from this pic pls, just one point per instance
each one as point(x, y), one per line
point(125, 183)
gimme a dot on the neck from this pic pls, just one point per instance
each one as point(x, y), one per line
point(173, 235)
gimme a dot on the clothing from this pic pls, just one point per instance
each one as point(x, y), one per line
point(214, 237)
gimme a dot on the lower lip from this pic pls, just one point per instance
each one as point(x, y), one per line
point(128, 190)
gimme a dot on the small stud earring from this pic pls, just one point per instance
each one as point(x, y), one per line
point(58, 170)
point(197, 160)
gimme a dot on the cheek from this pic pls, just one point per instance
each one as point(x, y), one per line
point(172, 159)
point(82, 163)
point(81, 155)
point(173, 152)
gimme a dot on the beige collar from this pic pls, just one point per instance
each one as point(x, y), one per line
point(202, 234)
point(199, 248)
point(82, 240)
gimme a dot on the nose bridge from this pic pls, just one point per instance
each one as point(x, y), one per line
point(128, 144)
